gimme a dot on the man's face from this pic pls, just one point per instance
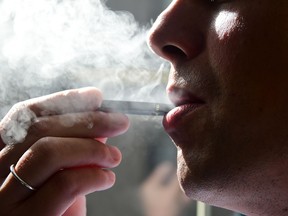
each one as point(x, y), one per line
point(229, 79)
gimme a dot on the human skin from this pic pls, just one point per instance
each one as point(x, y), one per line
point(228, 80)
point(64, 154)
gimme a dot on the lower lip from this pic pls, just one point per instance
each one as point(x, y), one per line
point(174, 117)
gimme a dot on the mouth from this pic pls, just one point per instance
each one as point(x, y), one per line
point(186, 103)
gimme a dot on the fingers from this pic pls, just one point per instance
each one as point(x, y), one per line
point(50, 155)
point(78, 208)
point(15, 124)
point(61, 191)
point(70, 101)
point(88, 124)
point(102, 125)
point(58, 149)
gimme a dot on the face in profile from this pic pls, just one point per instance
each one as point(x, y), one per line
point(229, 79)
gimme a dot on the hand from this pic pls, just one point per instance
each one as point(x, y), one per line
point(161, 194)
point(57, 145)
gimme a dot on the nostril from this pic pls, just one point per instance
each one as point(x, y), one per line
point(172, 52)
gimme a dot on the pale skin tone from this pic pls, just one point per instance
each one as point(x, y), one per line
point(64, 154)
point(229, 80)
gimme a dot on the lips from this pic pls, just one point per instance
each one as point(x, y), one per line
point(186, 103)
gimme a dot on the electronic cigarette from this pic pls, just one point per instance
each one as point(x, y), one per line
point(135, 108)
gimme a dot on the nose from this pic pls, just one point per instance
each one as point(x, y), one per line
point(176, 34)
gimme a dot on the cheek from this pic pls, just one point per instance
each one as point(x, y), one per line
point(226, 23)
point(224, 49)
point(252, 72)
point(248, 58)
point(223, 42)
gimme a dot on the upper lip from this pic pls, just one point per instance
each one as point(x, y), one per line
point(180, 96)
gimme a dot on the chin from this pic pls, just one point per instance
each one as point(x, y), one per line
point(198, 177)
point(183, 177)
point(188, 183)
point(194, 186)
point(187, 179)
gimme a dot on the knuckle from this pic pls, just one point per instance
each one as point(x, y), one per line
point(46, 149)
point(15, 110)
point(43, 143)
point(39, 128)
point(18, 106)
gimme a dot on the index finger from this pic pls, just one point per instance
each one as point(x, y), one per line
point(19, 119)
point(69, 101)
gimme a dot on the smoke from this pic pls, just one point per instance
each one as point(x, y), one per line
point(52, 45)
point(16, 125)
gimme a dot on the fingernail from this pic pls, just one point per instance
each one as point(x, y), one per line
point(115, 153)
point(111, 177)
point(109, 181)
